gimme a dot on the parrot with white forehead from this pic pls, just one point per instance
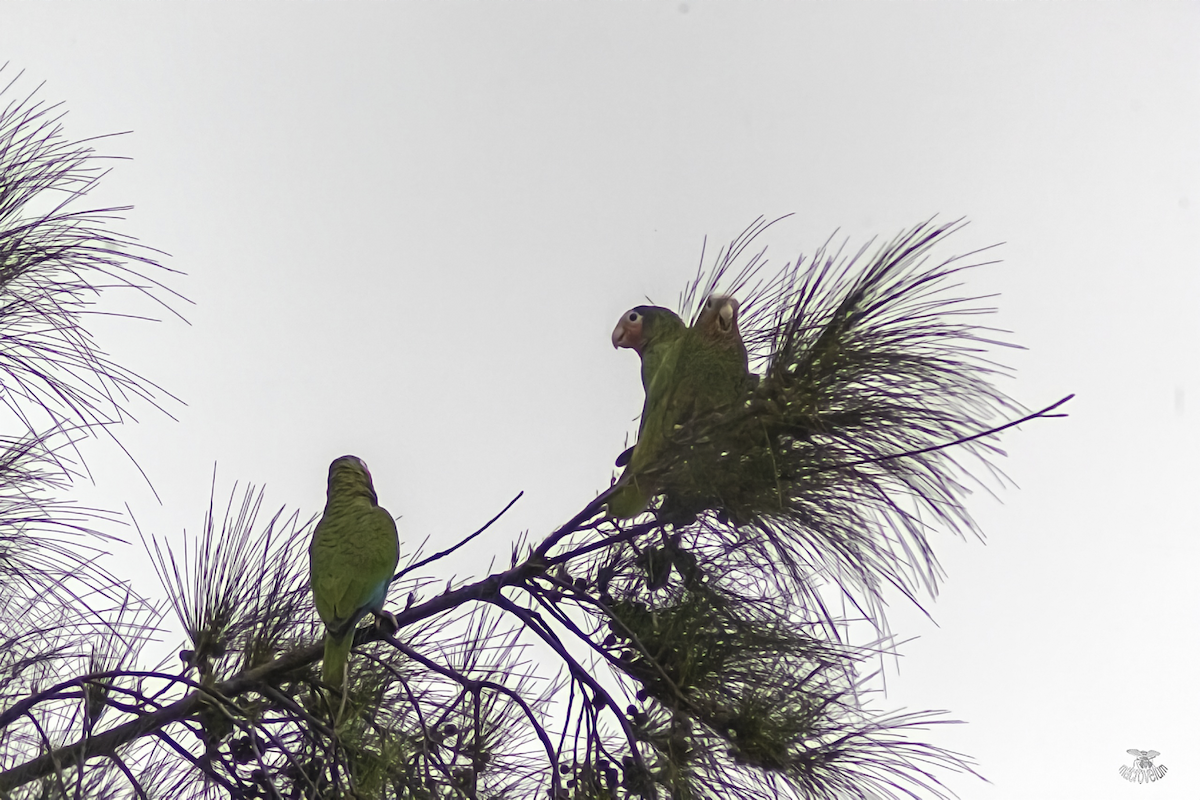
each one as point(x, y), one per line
point(653, 333)
point(716, 361)
point(650, 331)
point(686, 372)
point(352, 557)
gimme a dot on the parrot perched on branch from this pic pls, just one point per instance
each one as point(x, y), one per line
point(687, 373)
point(352, 557)
point(653, 333)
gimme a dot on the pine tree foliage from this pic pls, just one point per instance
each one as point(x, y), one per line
point(696, 651)
point(56, 259)
point(837, 458)
point(70, 632)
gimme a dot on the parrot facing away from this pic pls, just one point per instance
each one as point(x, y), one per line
point(689, 372)
point(352, 557)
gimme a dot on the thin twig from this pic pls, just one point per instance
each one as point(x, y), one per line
point(445, 553)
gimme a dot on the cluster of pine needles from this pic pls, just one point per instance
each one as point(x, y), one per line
point(70, 631)
point(857, 439)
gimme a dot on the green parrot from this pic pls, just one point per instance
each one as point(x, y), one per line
point(653, 333)
point(687, 372)
point(352, 557)
point(712, 376)
point(717, 361)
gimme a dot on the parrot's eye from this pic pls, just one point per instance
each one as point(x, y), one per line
point(633, 316)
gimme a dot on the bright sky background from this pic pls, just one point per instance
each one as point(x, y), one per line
point(408, 230)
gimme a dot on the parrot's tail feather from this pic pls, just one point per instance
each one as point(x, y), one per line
point(627, 502)
point(337, 652)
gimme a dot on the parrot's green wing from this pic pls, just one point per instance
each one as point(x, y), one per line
point(655, 334)
point(352, 557)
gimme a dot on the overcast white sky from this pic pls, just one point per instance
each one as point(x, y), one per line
point(409, 229)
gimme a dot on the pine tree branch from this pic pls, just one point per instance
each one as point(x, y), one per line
point(475, 686)
point(450, 550)
point(535, 623)
point(110, 741)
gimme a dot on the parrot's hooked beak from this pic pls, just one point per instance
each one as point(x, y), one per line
point(728, 313)
point(622, 336)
